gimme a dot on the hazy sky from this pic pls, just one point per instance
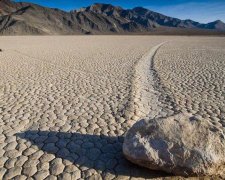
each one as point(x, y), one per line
point(198, 10)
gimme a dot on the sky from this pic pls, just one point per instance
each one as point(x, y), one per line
point(199, 10)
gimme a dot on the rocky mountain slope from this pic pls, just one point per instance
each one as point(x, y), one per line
point(28, 18)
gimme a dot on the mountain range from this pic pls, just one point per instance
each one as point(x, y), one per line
point(21, 18)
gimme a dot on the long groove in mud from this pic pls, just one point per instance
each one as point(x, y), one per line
point(168, 98)
point(150, 98)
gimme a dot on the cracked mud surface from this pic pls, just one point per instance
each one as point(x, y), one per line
point(193, 70)
point(66, 102)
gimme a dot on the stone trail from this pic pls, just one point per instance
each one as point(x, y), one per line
point(63, 115)
point(176, 142)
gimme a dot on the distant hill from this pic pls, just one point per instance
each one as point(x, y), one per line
point(32, 19)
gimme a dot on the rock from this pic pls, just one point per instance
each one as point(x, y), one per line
point(180, 144)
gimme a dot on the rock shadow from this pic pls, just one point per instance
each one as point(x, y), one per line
point(98, 152)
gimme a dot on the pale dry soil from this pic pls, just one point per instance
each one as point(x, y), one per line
point(193, 73)
point(67, 101)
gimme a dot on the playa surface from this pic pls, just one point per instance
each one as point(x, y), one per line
point(66, 102)
point(193, 73)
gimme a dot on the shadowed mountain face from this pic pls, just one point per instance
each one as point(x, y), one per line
point(28, 18)
point(218, 25)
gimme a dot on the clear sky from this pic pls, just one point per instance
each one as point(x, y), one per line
point(198, 10)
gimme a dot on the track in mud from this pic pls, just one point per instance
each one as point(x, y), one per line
point(151, 98)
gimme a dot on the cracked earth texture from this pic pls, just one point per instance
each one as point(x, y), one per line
point(66, 102)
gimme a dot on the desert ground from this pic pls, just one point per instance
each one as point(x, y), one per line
point(66, 102)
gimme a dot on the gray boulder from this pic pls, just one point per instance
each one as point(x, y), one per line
point(180, 144)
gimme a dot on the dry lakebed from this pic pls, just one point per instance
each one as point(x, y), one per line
point(112, 107)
